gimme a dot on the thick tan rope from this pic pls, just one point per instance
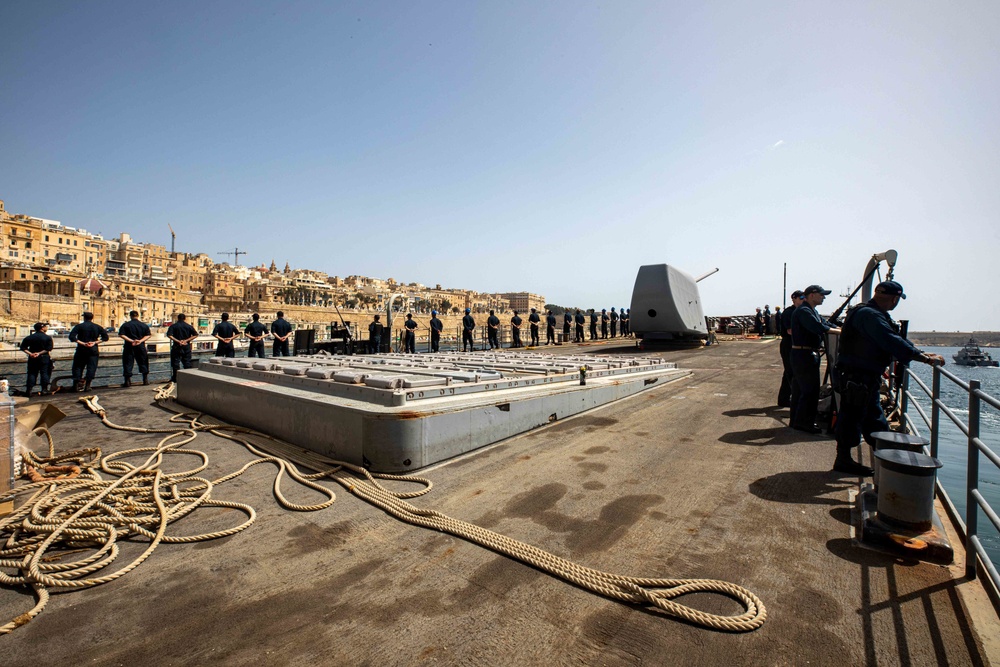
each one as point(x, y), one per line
point(154, 499)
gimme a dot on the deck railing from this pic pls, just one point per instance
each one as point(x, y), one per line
point(969, 524)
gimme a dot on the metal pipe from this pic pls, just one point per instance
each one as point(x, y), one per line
point(935, 410)
point(706, 275)
point(972, 484)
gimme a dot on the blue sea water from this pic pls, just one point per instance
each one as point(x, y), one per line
point(953, 445)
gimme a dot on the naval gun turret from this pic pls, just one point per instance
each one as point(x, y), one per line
point(666, 305)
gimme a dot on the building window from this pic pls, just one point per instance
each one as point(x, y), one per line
point(46, 253)
point(46, 237)
point(74, 241)
point(23, 276)
point(60, 241)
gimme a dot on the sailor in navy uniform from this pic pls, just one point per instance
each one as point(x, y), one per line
point(410, 335)
point(593, 324)
point(534, 319)
point(515, 330)
point(604, 323)
point(785, 349)
point(87, 336)
point(808, 333)
point(256, 331)
point(580, 320)
point(38, 347)
point(281, 330)
point(868, 342)
point(492, 329)
point(180, 334)
point(436, 328)
point(468, 329)
point(225, 331)
point(134, 335)
point(550, 328)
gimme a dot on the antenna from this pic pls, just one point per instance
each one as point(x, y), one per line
point(173, 238)
point(235, 254)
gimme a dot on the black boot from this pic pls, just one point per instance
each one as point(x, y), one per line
point(127, 383)
point(78, 386)
point(849, 466)
point(145, 378)
point(86, 387)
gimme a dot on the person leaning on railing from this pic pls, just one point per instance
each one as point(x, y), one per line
point(868, 343)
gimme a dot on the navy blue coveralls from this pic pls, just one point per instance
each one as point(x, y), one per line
point(604, 324)
point(785, 349)
point(375, 330)
point(808, 332)
point(180, 355)
point(614, 322)
point(868, 342)
point(550, 329)
point(134, 354)
point(515, 331)
point(86, 357)
point(40, 365)
point(410, 336)
point(580, 319)
point(567, 321)
point(280, 327)
point(593, 325)
point(535, 320)
point(468, 326)
point(493, 327)
point(436, 327)
point(224, 329)
point(256, 328)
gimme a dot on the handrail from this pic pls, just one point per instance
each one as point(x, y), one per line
point(969, 527)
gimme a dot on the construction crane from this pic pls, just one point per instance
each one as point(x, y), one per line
point(173, 238)
point(235, 254)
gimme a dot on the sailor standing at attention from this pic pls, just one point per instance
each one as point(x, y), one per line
point(87, 336)
point(784, 324)
point(515, 330)
point(550, 328)
point(593, 324)
point(869, 341)
point(134, 335)
point(492, 329)
point(468, 329)
point(375, 330)
point(534, 319)
point(567, 322)
point(580, 320)
point(808, 333)
point(410, 334)
point(38, 347)
point(604, 323)
point(281, 330)
point(225, 331)
point(436, 328)
point(256, 331)
point(614, 322)
point(180, 334)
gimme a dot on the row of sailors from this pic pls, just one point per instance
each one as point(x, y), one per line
point(134, 334)
point(612, 320)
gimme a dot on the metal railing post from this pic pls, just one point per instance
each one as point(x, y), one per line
point(935, 410)
point(905, 386)
point(972, 483)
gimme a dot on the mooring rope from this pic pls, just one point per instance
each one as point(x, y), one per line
point(86, 513)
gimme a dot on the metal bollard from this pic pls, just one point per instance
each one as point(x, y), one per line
point(906, 488)
point(885, 440)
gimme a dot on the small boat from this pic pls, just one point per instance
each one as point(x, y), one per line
point(971, 355)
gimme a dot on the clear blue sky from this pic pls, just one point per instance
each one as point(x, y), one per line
point(550, 146)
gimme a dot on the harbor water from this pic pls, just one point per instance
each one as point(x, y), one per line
point(953, 445)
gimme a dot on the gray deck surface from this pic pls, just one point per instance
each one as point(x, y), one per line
point(695, 479)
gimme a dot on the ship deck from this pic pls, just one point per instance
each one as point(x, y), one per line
point(698, 478)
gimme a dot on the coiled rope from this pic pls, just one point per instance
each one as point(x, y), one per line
point(90, 513)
